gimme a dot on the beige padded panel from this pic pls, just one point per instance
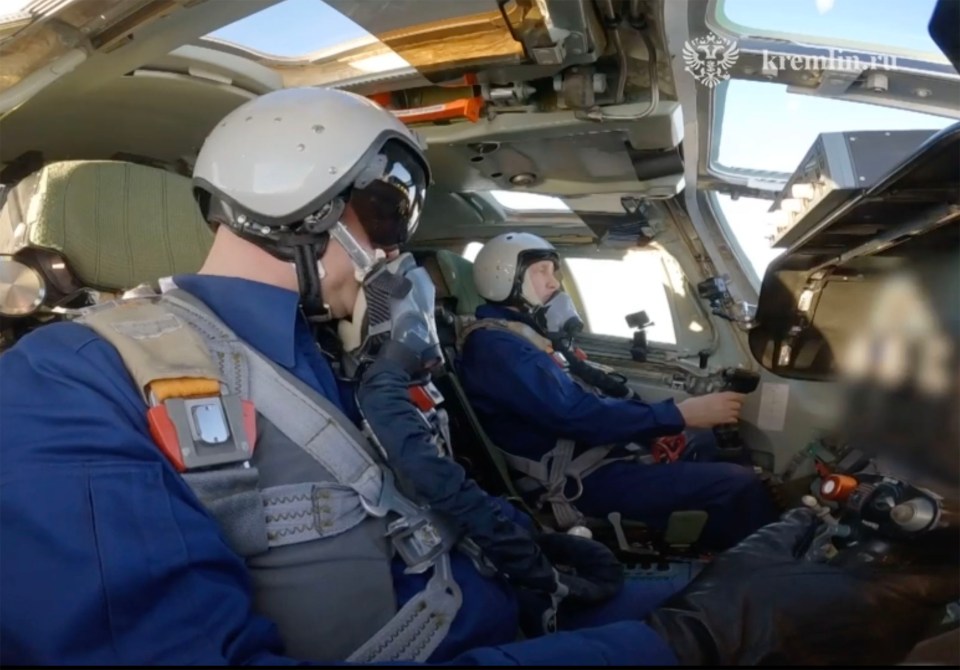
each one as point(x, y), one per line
point(458, 273)
point(117, 224)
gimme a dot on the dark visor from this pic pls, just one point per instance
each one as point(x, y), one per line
point(388, 196)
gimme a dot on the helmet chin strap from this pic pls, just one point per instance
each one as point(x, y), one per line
point(309, 273)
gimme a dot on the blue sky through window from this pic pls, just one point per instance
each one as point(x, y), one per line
point(292, 28)
point(889, 25)
point(766, 128)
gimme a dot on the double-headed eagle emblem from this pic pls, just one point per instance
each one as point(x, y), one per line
point(709, 58)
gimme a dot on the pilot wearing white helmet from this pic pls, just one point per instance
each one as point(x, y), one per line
point(188, 480)
point(570, 442)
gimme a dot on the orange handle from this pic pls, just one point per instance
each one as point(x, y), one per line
point(837, 487)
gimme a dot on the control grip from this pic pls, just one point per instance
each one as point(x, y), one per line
point(728, 436)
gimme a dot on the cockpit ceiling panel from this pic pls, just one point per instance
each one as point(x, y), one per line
point(443, 41)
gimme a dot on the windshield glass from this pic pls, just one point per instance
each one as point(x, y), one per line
point(885, 26)
point(765, 128)
point(752, 227)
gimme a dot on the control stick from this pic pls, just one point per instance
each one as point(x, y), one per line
point(728, 436)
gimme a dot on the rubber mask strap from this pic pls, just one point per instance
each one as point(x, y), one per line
point(528, 294)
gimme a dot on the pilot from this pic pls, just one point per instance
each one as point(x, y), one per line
point(575, 447)
point(187, 477)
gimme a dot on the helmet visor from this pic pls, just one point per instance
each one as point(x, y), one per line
point(388, 196)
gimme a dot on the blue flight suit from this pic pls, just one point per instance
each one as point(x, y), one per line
point(107, 557)
point(526, 402)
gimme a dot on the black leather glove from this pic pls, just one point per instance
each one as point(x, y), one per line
point(759, 603)
point(589, 570)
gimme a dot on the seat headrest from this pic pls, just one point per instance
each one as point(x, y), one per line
point(115, 224)
point(457, 272)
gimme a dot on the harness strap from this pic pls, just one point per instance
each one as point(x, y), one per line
point(253, 520)
point(551, 473)
point(420, 626)
point(553, 470)
point(323, 432)
point(320, 428)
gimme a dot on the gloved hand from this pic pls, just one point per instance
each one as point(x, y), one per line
point(759, 603)
point(590, 572)
point(399, 317)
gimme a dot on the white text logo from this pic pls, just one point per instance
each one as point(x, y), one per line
point(710, 58)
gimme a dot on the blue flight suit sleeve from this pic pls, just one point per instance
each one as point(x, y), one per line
point(433, 479)
point(107, 557)
point(521, 380)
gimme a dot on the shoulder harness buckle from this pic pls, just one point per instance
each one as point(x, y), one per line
point(196, 426)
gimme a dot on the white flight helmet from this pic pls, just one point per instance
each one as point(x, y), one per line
point(281, 168)
point(500, 269)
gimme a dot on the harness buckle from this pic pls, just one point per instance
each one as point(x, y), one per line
point(202, 431)
point(419, 543)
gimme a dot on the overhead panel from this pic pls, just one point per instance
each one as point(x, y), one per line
point(441, 40)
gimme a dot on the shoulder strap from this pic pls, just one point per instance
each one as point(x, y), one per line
point(307, 418)
point(515, 327)
point(154, 344)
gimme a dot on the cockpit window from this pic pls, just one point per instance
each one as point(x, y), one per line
point(12, 8)
point(293, 29)
point(762, 128)
point(751, 227)
point(762, 132)
point(471, 250)
point(896, 27)
point(529, 202)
